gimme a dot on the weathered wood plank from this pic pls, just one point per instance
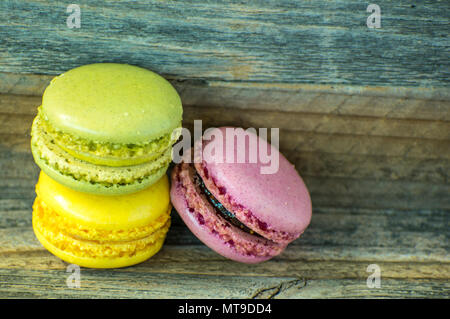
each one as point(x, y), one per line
point(348, 288)
point(298, 142)
point(260, 41)
point(311, 100)
point(298, 260)
point(346, 192)
point(119, 284)
point(110, 284)
point(25, 266)
point(300, 268)
point(372, 167)
point(17, 111)
point(205, 262)
point(334, 234)
point(386, 103)
point(327, 269)
point(319, 123)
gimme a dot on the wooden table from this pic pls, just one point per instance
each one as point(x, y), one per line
point(363, 114)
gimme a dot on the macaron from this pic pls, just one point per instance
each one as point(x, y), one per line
point(99, 231)
point(106, 128)
point(232, 206)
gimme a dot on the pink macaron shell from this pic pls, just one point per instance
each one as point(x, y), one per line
point(277, 206)
point(215, 232)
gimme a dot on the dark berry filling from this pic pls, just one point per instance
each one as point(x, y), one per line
point(219, 208)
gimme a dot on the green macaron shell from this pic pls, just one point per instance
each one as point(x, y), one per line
point(106, 153)
point(90, 178)
point(113, 103)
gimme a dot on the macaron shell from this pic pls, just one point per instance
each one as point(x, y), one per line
point(279, 201)
point(106, 212)
point(213, 231)
point(109, 102)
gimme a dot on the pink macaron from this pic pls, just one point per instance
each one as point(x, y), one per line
point(234, 202)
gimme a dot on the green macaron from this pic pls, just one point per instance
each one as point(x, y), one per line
point(106, 128)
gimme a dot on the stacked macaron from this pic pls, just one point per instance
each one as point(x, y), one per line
point(103, 138)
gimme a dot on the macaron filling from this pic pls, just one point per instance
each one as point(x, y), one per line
point(107, 153)
point(220, 209)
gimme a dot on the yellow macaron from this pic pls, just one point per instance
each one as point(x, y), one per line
point(99, 231)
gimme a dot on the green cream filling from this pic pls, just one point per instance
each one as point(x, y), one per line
point(93, 179)
point(77, 145)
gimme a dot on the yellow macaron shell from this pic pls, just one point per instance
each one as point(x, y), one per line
point(106, 212)
point(101, 231)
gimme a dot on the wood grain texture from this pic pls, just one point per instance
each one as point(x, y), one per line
point(329, 260)
point(325, 42)
point(109, 284)
point(363, 115)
